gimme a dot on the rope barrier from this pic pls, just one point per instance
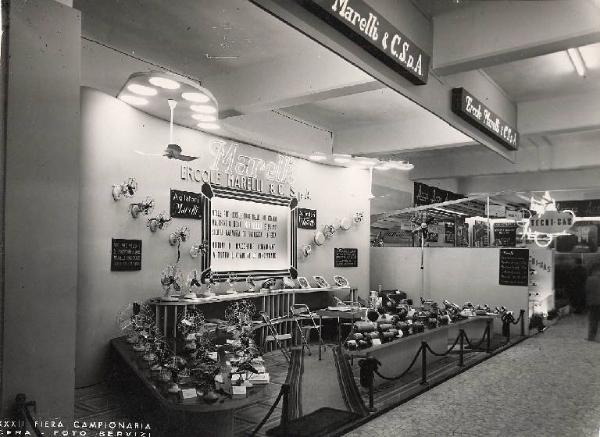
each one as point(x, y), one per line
point(261, 424)
point(515, 322)
point(476, 346)
point(437, 354)
point(403, 373)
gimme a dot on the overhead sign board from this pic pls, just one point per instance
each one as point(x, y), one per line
point(474, 112)
point(369, 29)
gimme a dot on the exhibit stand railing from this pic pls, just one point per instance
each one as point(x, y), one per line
point(369, 365)
point(24, 416)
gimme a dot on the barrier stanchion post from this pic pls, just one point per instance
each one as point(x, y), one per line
point(522, 317)
point(488, 346)
point(285, 408)
point(424, 362)
point(371, 396)
point(461, 357)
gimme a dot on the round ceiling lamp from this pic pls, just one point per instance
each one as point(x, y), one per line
point(204, 117)
point(142, 90)
point(133, 100)
point(204, 109)
point(196, 97)
point(163, 82)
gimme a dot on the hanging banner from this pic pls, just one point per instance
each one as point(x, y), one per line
point(372, 32)
point(477, 114)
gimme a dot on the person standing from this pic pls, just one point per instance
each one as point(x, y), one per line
point(592, 292)
point(578, 278)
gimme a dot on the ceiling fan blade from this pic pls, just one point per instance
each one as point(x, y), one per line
point(147, 154)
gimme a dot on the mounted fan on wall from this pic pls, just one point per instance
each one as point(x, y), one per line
point(173, 151)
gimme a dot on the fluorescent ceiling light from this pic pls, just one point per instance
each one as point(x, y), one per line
point(133, 100)
point(383, 166)
point(204, 117)
point(208, 126)
point(204, 109)
point(142, 90)
point(577, 61)
point(342, 159)
point(163, 82)
point(317, 157)
point(196, 97)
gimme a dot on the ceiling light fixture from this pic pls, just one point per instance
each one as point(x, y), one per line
point(342, 158)
point(577, 61)
point(204, 109)
point(384, 166)
point(204, 117)
point(134, 100)
point(163, 82)
point(142, 90)
point(208, 126)
point(196, 97)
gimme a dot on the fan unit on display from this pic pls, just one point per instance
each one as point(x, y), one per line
point(173, 151)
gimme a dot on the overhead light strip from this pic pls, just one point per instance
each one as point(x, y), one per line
point(577, 61)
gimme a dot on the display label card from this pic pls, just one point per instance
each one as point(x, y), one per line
point(307, 218)
point(345, 257)
point(188, 393)
point(514, 267)
point(126, 255)
point(185, 204)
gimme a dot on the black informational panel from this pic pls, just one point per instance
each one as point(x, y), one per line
point(185, 204)
point(307, 218)
point(514, 267)
point(505, 234)
point(345, 257)
point(126, 255)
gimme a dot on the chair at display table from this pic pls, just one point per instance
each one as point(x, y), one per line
point(274, 336)
point(305, 320)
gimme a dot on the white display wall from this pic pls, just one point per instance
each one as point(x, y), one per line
point(112, 132)
point(457, 274)
point(541, 282)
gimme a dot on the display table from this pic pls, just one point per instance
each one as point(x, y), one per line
point(352, 316)
point(275, 303)
point(190, 417)
point(397, 355)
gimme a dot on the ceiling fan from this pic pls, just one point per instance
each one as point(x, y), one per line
point(173, 151)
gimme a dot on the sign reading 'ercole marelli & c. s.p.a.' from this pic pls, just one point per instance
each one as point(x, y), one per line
point(360, 23)
point(477, 114)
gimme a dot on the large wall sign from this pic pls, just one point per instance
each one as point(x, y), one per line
point(248, 234)
point(514, 267)
point(477, 114)
point(366, 27)
point(307, 218)
point(126, 255)
point(184, 204)
point(427, 195)
point(345, 257)
point(239, 171)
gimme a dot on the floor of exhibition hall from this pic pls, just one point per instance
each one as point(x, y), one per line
point(548, 385)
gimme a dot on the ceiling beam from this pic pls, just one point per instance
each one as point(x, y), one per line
point(290, 81)
point(559, 114)
point(493, 32)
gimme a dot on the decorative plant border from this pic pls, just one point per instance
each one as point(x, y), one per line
point(208, 192)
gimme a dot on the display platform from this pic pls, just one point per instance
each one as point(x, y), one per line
point(397, 355)
point(190, 416)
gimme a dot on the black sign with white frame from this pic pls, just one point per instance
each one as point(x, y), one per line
point(345, 257)
point(126, 255)
point(367, 28)
point(474, 112)
point(248, 234)
point(307, 218)
point(514, 267)
point(185, 204)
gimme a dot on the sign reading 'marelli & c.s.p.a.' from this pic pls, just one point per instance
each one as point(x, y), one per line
point(369, 29)
point(477, 114)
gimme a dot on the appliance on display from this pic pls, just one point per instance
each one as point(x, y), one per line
point(328, 231)
point(345, 223)
point(193, 284)
point(251, 284)
point(340, 281)
point(269, 284)
point(303, 282)
point(158, 223)
point(171, 280)
point(358, 217)
point(126, 189)
point(321, 282)
point(306, 250)
point(319, 238)
point(179, 236)
point(145, 207)
point(289, 282)
point(198, 248)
